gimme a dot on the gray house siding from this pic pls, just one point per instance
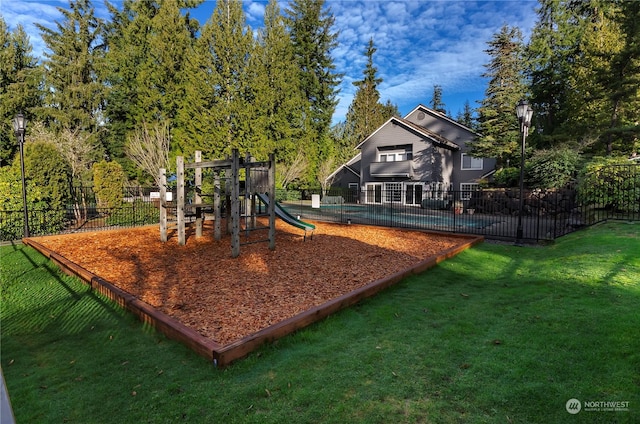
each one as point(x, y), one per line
point(426, 150)
point(458, 134)
point(427, 163)
point(344, 177)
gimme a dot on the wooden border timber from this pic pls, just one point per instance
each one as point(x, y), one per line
point(223, 355)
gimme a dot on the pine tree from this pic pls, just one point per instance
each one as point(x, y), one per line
point(623, 84)
point(550, 54)
point(150, 45)
point(311, 32)
point(436, 100)
point(465, 117)
point(498, 123)
point(74, 57)
point(366, 113)
point(20, 78)
point(218, 105)
point(278, 102)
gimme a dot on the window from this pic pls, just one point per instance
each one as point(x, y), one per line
point(394, 156)
point(393, 192)
point(413, 194)
point(470, 163)
point(466, 190)
point(373, 193)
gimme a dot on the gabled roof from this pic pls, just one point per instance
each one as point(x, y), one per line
point(434, 137)
point(348, 167)
point(442, 116)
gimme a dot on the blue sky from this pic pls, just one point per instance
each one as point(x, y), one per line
point(419, 43)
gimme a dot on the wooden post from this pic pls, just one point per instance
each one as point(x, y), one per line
point(248, 225)
point(217, 234)
point(272, 201)
point(197, 199)
point(163, 205)
point(235, 204)
point(180, 201)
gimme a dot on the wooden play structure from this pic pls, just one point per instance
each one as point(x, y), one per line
point(240, 200)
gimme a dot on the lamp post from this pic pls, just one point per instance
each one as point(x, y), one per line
point(19, 125)
point(524, 113)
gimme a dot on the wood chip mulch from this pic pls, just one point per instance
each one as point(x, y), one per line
point(225, 298)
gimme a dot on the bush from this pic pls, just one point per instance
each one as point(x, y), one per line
point(507, 177)
point(47, 182)
point(109, 180)
point(552, 168)
point(611, 183)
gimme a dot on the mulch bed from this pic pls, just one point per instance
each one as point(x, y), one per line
point(226, 299)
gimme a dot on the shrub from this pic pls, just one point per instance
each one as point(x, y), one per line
point(611, 183)
point(507, 177)
point(47, 182)
point(109, 180)
point(553, 168)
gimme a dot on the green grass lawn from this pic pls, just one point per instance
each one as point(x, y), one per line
point(497, 334)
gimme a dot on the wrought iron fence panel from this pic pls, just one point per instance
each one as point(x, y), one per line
point(493, 213)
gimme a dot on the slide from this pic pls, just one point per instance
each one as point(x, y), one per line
point(286, 216)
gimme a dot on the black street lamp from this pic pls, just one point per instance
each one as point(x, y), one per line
point(524, 113)
point(19, 125)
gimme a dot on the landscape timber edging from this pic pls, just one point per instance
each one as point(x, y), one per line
point(223, 355)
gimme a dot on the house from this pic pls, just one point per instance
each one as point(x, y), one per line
point(421, 156)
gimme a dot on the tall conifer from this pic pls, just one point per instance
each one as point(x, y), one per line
point(497, 120)
point(278, 107)
point(73, 57)
point(313, 39)
point(20, 79)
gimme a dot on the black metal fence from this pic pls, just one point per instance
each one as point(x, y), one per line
point(493, 213)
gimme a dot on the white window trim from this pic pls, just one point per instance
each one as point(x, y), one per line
point(392, 152)
point(466, 189)
point(476, 161)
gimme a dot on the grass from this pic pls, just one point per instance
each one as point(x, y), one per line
point(497, 334)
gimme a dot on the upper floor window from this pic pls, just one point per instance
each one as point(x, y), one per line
point(394, 156)
point(471, 163)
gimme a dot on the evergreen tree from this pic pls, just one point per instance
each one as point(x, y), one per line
point(75, 51)
point(550, 54)
point(436, 100)
point(218, 105)
point(150, 45)
point(20, 78)
point(498, 123)
point(465, 117)
point(366, 113)
point(623, 84)
point(278, 102)
point(311, 32)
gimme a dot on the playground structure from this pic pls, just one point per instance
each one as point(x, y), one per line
point(259, 181)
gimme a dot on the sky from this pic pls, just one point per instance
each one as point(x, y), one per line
point(420, 43)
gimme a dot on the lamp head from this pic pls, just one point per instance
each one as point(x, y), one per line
point(19, 124)
point(524, 113)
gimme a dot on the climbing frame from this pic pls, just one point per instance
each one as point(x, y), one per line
point(230, 167)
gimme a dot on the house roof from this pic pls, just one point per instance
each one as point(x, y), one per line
point(347, 166)
point(442, 116)
point(434, 137)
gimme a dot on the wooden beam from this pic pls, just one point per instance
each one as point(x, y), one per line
point(163, 205)
point(182, 240)
point(197, 199)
